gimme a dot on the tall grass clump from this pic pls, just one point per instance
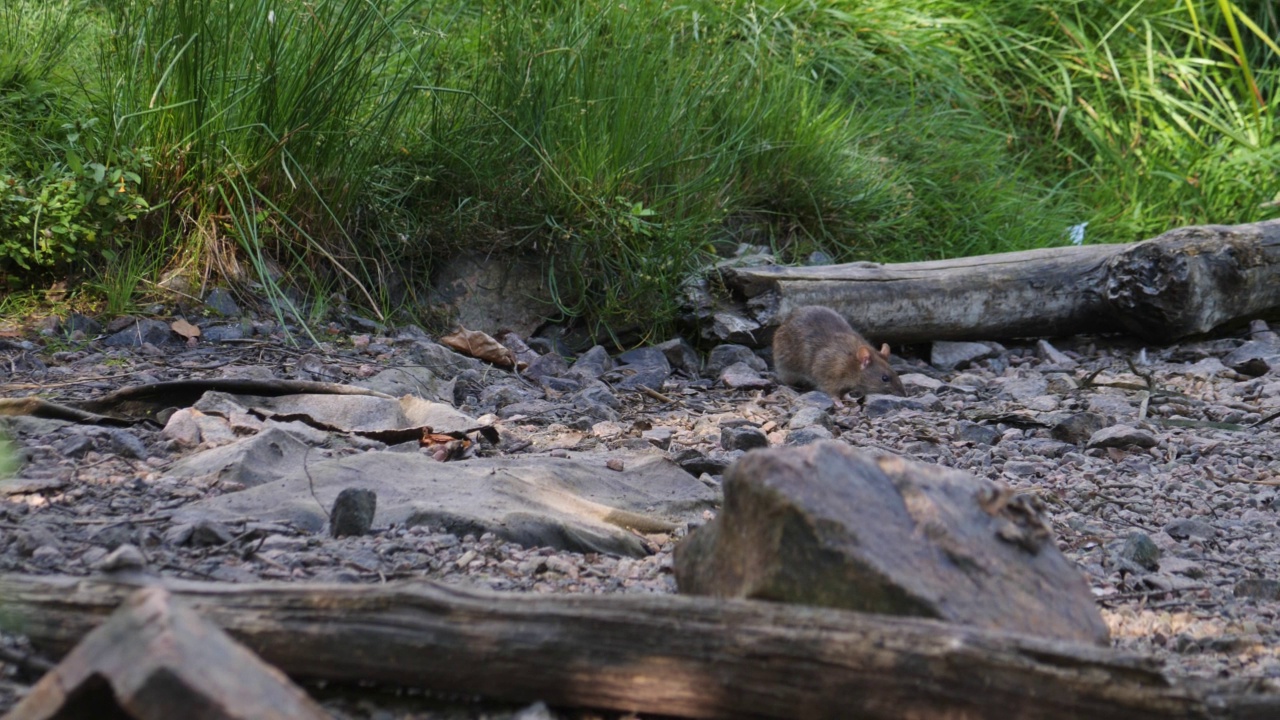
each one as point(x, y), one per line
point(963, 188)
point(1155, 114)
point(624, 143)
point(621, 140)
point(263, 123)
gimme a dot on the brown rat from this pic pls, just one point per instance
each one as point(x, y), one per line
point(815, 346)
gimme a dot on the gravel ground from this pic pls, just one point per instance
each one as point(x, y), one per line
point(1155, 479)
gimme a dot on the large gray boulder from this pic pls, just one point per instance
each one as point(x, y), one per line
point(828, 525)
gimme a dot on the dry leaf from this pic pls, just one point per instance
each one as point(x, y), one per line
point(480, 345)
point(185, 329)
point(445, 447)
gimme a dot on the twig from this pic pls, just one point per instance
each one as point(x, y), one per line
point(1148, 594)
point(311, 483)
point(69, 383)
point(655, 394)
point(116, 520)
point(1267, 419)
point(1147, 377)
point(1268, 483)
point(178, 568)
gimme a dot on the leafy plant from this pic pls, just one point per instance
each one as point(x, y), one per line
point(62, 213)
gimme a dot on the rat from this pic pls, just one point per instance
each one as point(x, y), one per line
point(817, 347)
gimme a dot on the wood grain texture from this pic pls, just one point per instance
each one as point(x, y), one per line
point(669, 655)
point(1184, 282)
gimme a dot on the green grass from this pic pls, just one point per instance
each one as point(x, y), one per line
point(1154, 114)
point(341, 146)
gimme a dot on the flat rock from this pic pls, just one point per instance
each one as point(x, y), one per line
point(828, 525)
point(741, 376)
point(222, 333)
point(570, 504)
point(1025, 388)
point(492, 293)
point(634, 377)
point(260, 459)
point(810, 416)
point(1265, 589)
point(399, 381)
point(1121, 436)
point(591, 365)
point(348, 413)
point(220, 301)
point(808, 435)
point(728, 326)
point(1053, 355)
point(549, 365)
point(742, 438)
point(1185, 528)
point(140, 332)
point(1077, 428)
point(442, 361)
point(641, 367)
point(696, 462)
point(188, 427)
point(946, 355)
point(77, 322)
point(722, 356)
point(1255, 357)
point(975, 433)
point(878, 405)
point(682, 357)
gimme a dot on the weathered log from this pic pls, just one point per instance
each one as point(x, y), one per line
point(669, 655)
point(1184, 282)
point(156, 660)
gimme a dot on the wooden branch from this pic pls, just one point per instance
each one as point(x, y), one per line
point(153, 660)
point(1184, 282)
point(669, 655)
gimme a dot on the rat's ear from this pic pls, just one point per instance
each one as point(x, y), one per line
point(864, 356)
point(884, 351)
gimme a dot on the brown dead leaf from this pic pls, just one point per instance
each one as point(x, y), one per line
point(429, 438)
point(446, 447)
point(480, 345)
point(185, 329)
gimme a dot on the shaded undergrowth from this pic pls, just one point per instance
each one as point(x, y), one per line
point(342, 146)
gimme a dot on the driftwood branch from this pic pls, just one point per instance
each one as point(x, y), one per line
point(669, 655)
point(1187, 281)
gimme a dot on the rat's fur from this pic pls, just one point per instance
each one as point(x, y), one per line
point(816, 347)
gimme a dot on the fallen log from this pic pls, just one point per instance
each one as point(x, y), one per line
point(1184, 282)
point(668, 655)
point(156, 660)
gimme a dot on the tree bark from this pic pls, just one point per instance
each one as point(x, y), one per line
point(1184, 282)
point(157, 660)
point(668, 655)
